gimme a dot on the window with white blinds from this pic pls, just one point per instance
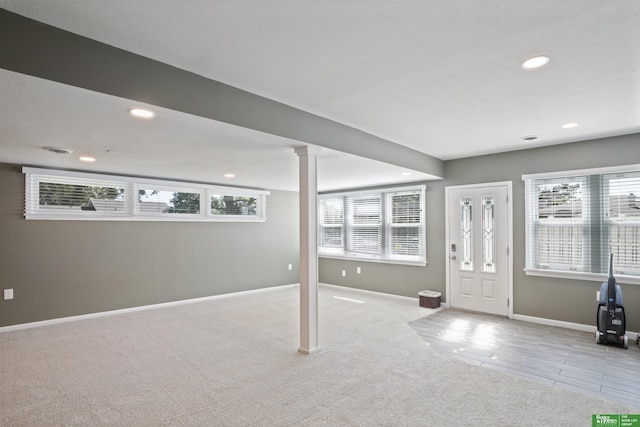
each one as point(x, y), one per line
point(75, 197)
point(331, 224)
point(386, 225)
point(574, 220)
point(54, 194)
point(365, 224)
point(405, 224)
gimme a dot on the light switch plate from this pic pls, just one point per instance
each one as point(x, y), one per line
point(8, 294)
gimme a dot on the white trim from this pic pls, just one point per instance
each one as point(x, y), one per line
point(577, 172)
point(308, 265)
point(632, 336)
point(555, 323)
point(307, 352)
point(578, 269)
point(577, 275)
point(509, 186)
point(135, 309)
point(184, 218)
point(131, 205)
point(385, 227)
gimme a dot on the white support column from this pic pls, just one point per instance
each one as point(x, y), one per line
point(308, 250)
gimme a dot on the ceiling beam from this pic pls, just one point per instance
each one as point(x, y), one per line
point(33, 48)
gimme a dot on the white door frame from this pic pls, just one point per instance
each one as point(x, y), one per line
point(447, 190)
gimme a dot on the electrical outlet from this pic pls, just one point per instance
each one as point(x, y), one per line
point(344, 273)
point(8, 294)
point(358, 270)
point(290, 266)
point(598, 296)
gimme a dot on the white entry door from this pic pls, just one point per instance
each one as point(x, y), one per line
point(478, 239)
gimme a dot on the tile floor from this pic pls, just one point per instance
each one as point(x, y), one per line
point(562, 357)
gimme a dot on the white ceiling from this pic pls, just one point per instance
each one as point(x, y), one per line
point(441, 77)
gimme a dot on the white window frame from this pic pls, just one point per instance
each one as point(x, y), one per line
point(385, 227)
point(132, 185)
point(371, 229)
point(594, 206)
point(138, 212)
point(324, 224)
point(390, 225)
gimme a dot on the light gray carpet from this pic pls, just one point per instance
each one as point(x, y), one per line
point(233, 362)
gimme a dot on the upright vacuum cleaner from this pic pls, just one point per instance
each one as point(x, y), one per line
point(610, 317)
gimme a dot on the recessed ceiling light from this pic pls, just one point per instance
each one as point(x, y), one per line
point(535, 62)
point(229, 175)
point(529, 138)
point(87, 159)
point(406, 173)
point(141, 113)
point(569, 125)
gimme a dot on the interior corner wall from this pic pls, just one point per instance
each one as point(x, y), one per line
point(67, 268)
point(398, 279)
point(565, 300)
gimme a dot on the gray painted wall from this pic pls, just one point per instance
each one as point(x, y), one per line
point(399, 279)
point(565, 300)
point(66, 268)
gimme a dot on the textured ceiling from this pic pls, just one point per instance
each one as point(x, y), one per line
point(441, 77)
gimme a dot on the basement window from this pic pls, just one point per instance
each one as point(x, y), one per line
point(385, 225)
point(63, 195)
point(575, 219)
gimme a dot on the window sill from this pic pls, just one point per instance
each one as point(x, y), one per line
point(141, 218)
point(576, 275)
point(376, 260)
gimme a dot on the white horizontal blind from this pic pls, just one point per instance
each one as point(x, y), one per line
point(76, 197)
point(331, 222)
point(405, 232)
point(365, 224)
point(560, 208)
point(54, 194)
point(621, 193)
point(574, 222)
point(383, 225)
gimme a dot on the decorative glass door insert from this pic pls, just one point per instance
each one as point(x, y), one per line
point(488, 235)
point(466, 233)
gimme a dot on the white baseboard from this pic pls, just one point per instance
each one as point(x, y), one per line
point(632, 336)
point(556, 323)
point(539, 320)
point(134, 309)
